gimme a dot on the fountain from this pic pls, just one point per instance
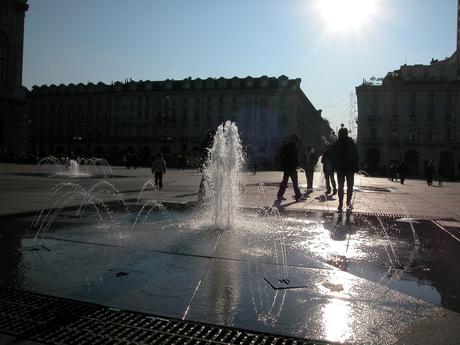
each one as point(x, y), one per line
point(73, 168)
point(222, 176)
point(258, 268)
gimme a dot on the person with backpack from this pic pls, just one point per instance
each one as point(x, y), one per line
point(289, 162)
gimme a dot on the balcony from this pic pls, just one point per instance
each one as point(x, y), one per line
point(374, 118)
point(394, 141)
point(372, 141)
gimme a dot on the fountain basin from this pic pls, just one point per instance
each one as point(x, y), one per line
point(178, 265)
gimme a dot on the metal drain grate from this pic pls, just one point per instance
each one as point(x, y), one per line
point(53, 320)
point(321, 212)
point(372, 189)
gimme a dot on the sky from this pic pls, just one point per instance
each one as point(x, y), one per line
point(332, 45)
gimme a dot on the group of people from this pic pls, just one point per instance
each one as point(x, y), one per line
point(341, 157)
point(398, 169)
point(430, 170)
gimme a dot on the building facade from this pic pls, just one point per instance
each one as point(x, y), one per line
point(411, 115)
point(12, 96)
point(171, 116)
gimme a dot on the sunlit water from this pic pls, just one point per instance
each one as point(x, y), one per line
point(351, 245)
point(73, 168)
point(222, 176)
point(158, 256)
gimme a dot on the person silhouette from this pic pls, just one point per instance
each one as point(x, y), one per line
point(289, 162)
point(345, 158)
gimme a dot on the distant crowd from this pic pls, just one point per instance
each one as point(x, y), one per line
point(394, 171)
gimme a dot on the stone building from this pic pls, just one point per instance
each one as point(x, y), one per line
point(171, 116)
point(413, 115)
point(12, 95)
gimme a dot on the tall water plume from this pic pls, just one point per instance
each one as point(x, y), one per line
point(222, 175)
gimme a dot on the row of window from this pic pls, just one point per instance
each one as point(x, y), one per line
point(416, 135)
point(79, 135)
point(414, 96)
point(4, 9)
point(167, 101)
point(196, 114)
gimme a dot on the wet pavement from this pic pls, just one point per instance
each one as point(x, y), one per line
point(369, 277)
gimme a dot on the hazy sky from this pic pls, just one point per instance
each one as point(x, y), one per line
point(330, 46)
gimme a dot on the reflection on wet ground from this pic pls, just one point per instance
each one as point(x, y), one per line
point(350, 273)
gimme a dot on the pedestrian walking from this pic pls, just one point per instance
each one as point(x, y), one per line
point(393, 172)
point(345, 158)
point(311, 158)
point(328, 170)
point(289, 162)
point(254, 167)
point(402, 171)
point(158, 170)
point(441, 173)
point(429, 169)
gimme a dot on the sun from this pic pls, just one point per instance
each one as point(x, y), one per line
point(347, 15)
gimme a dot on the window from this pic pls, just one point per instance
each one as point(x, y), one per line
point(394, 134)
point(430, 113)
point(247, 115)
point(263, 115)
point(448, 99)
point(4, 7)
point(3, 59)
point(429, 135)
point(373, 133)
point(282, 120)
point(447, 134)
point(395, 115)
point(375, 97)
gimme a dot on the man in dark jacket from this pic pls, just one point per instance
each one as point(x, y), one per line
point(345, 158)
point(402, 171)
point(289, 163)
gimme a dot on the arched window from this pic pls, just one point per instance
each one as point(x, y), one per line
point(3, 59)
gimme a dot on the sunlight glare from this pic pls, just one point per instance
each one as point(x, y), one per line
point(346, 15)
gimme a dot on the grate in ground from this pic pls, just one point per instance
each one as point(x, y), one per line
point(372, 189)
point(387, 215)
point(53, 320)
